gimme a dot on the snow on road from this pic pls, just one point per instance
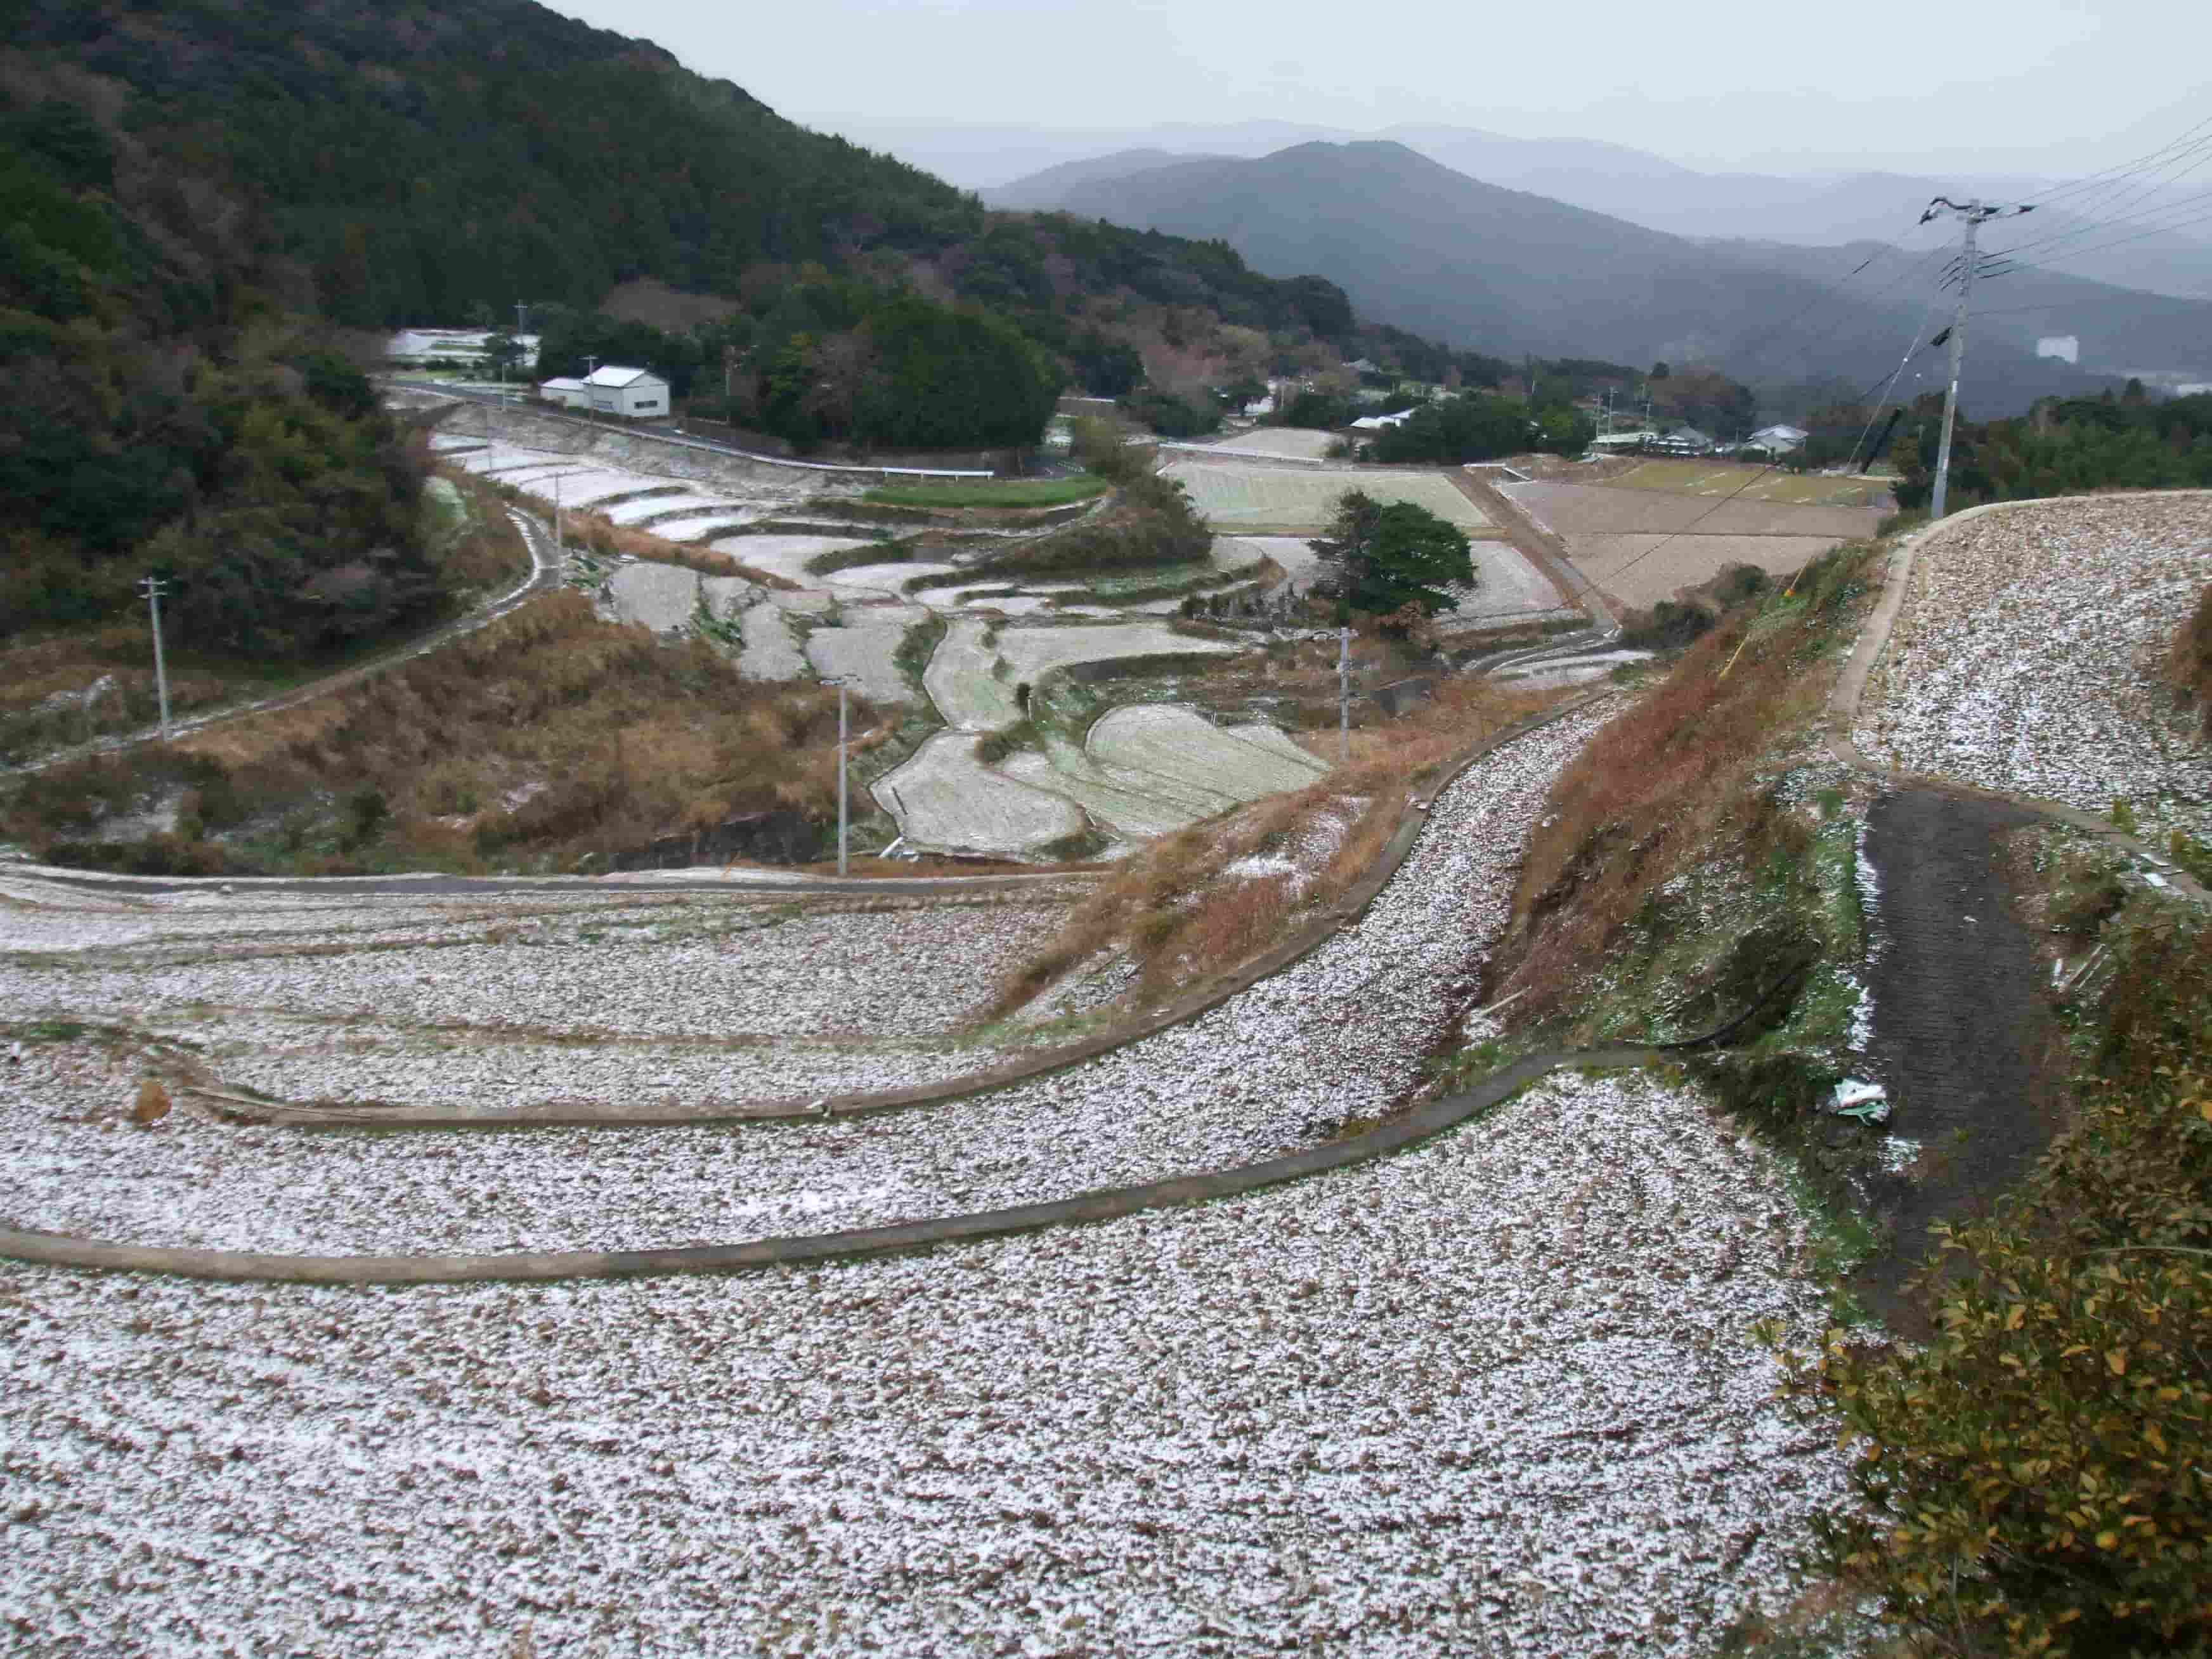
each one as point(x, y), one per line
point(2029, 653)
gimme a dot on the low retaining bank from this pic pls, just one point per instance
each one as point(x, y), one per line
point(1199, 1000)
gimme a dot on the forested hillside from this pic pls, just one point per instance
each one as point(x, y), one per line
point(425, 161)
point(165, 410)
point(2065, 447)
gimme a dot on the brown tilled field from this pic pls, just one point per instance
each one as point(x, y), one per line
point(1575, 510)
point(1627, 568)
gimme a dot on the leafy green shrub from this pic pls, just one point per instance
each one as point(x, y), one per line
point(2035, 1480)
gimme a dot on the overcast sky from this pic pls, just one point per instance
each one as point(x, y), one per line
point(2062, 86)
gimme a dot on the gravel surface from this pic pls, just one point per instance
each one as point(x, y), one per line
point(1493, 1396)
point(1341, 1033)
point(2028, 654)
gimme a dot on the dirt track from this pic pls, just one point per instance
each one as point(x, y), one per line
point(1963, 1034)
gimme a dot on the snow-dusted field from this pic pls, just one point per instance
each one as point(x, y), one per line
point(865, 650)
point(1292, 441)
point(1497, 1393)
point(1030, 651)
point(655, 508)
point(770, 653)
point(662, 596)
point(968, 696)
point(943, 796)
point(2028, 654)
point(1239, 764)
point(784, 556)
point(1342, 1033)
point(510, 1003)
point(1229, 495)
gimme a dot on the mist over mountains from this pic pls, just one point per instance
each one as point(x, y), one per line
point(1433, 249)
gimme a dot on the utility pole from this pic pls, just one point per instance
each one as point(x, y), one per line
point(1343, 694)
point(840, 777)
point(152, 586)
point(1975, 215)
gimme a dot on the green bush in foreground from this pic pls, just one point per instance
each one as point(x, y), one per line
point(2038, 1480)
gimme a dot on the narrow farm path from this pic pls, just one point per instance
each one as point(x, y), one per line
point(544, 577)
point(1964, 1032)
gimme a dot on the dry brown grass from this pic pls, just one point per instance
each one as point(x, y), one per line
point(603, 536)
point(2191, 669)
point(1177, 912)
point(1671, 778)
point(488, 556)
point(549, 737)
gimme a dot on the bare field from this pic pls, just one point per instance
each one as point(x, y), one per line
point(1295, 442)
point(1685, 561)
point(1718, 478)
point(1241, 498)
point(1572, 509)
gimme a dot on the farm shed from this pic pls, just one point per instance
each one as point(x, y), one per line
point(566, 390)
point(617, 391)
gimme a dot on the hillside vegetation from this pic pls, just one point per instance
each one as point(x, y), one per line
point(429, 163)
point(166, 415)
point(548, 740)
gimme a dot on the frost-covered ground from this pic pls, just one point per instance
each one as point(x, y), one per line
point(498, 1004)
point(1235, 494)
point(2029, 653)
point(1341, 1033)
point(1494, 1395)
point(1498, 1394)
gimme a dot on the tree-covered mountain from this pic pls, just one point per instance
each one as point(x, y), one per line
point(1437, 252)
point(165, 413)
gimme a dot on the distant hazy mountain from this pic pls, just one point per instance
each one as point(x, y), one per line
point(1051, 186)
point(1417, 244)
point(1824, 209)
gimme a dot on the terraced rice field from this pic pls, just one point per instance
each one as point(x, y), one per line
point(1241, 498)
point(1294, 441)
point(1239, 764)
point(863, 650)
point(945, 797)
